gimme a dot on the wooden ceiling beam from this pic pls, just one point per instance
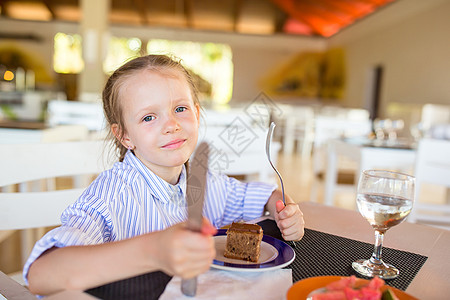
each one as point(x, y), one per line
point(2, 8)
point(323, 17)
point(288, 7)
point(237, 10)
point(188, 7)
point(141, 9)
point(280, 19)
point(49, 5)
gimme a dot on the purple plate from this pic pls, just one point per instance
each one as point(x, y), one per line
point(275, 254)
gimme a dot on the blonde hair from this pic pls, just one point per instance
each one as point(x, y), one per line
point(111, 93)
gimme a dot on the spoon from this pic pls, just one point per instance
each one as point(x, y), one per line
point(268, 142)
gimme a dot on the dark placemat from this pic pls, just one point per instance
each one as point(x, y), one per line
point(320, 254)
point(144, 287)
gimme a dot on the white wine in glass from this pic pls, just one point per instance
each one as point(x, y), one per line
point(384, 199)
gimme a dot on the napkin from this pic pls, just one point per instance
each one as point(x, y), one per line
point(224, 284)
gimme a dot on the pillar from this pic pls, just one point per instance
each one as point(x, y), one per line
point(95, 34)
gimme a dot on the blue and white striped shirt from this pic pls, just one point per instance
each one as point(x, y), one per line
point(130, 200)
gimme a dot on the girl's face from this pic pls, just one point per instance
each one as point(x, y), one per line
point(161, 121)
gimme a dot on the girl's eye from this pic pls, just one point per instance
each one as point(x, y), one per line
point(148, 118)
point(180, 109)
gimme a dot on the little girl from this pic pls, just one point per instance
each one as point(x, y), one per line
point(131, 219)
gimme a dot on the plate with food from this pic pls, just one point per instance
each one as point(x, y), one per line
point(337, 287)
point(246, 248)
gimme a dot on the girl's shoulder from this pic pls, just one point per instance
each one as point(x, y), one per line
point(121, 173)
point(121, 176)
point(217, 178)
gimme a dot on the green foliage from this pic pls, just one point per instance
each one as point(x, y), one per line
point(8, 112)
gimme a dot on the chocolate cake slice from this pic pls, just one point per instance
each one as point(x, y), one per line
point(244, 241)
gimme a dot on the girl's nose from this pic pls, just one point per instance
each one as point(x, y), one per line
point(171, 125)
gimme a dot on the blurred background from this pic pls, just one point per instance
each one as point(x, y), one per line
point(333, 52)
point(322, 69)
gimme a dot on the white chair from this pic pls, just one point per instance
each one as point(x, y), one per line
point(89, 114)
point(27, 202)
point(434, 114)
point(237, 145)
point(346, 123)
point(363, 157)
point(432, 167)
point(335, 123)
point(331, 128)
point(297, 125)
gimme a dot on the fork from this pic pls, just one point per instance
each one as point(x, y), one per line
point(268, 143)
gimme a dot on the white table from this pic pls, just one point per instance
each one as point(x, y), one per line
point(366, 157)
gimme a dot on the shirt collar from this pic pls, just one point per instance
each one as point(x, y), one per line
point(159, 188)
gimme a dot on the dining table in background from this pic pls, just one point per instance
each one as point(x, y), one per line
point(27, 132)
point(429, 281)
point(21, 132)
point(367, 154)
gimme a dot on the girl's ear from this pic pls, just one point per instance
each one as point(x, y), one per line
point(197, 112)
point(122, 136)
point(116, 131)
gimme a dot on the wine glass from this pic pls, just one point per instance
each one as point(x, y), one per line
point(384, 199)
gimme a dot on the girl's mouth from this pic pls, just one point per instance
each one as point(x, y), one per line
point(174, 144)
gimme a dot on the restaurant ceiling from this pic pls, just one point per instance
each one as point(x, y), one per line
point(301, 17)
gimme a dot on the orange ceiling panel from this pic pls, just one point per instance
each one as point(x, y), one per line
point(325, 17)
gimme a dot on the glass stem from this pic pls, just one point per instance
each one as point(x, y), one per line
point(376, 256)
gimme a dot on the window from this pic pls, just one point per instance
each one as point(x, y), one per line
point(67, 58)
point(120, 50)
point(211, 62)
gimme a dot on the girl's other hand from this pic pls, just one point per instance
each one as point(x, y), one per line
point(289, 219)
point(186, 253)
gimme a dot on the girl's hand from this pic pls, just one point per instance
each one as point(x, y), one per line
point(289, 219)
point(185, 253)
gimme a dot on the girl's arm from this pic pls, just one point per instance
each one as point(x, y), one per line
point(289, 218)
point(175, 251)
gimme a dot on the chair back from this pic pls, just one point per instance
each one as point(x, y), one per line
point(434, 114)
point(432, 167)
point(328, 128)
point(296, 126)
point(29, 196)
point(237, 145)
point(90, 114)
point(24, 163)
